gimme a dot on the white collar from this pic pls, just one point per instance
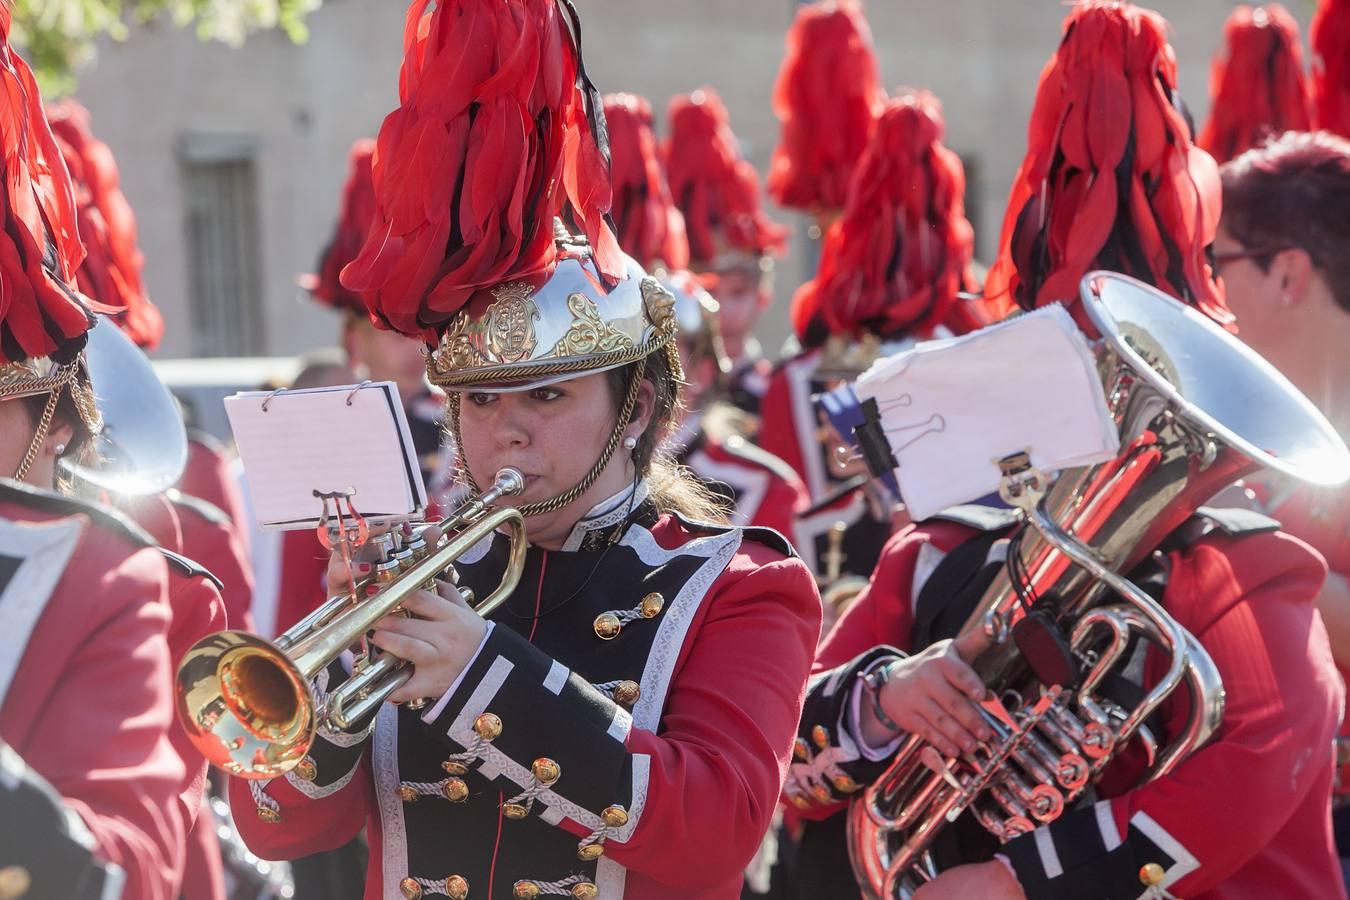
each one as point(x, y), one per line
point(606, 514)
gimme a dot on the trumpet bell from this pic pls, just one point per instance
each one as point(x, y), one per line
point(245, 705)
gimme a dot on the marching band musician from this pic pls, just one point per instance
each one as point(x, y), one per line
point(732, 241)
point(208, 564)
point(85, 690)
point(1247, 815)
point(1278, 251)
point(601, 735)
point(759, 488)
point(906, 198)
point(710, 437)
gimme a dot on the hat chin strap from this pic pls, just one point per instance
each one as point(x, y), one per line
point(558, 502)
point(40, 434)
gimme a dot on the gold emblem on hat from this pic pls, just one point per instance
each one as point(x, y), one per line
point(510, 322)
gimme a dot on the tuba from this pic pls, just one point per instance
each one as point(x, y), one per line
point(1195, 410)
point(247, 703)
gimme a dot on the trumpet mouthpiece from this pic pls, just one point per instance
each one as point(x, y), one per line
point(508, 482)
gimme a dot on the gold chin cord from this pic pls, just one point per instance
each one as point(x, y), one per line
point(249, 705)
point(66, 381)
point(1195, 410)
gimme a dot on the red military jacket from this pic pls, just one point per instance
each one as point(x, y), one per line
point(1246, 816)
point(763, 490)
point(85, 682)
point(667, 740)
point(208, 476)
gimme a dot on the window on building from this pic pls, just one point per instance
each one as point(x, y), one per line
point(224, 261)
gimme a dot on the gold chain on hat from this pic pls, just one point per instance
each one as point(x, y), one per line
point(67, 377)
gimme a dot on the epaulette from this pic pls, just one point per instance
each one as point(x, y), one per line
point(189, 568)
point(740, 448)
point(760, 535)
point(1230, 521)
point(50, 501)
point(204, 508)
point(981, 518)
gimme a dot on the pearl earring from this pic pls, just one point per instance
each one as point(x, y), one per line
point(630, 443)
point(60, 448)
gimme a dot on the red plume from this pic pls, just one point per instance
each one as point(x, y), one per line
point(1256, 83)
point(1111, 179)
point(828, 96)
point(716, 190)
point(353, 224)
point(1330, 39)
point(40, 249)
point(650, 227)
point(896, 258)
point(497, 127)
point(111, 271)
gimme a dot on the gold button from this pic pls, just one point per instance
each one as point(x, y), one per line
point(821, 736)
point(821, 793)
point(14, 882)
point(800, 801)
point(801, 749)
point(545, 770)
point(456, 887)
point(514, 811)
point(487, 726)
point(843, 784)
point(455, 790)
point(305, 770)
point(525, 890)
point(409, 888)
point(590, 852)
point(614, 816)
point(626, 693)
point(607, 626)
point(1151, 874)
point(652, 604)
point(269, 815)
point(407, 793)
point(454, 768)
point(584, 890)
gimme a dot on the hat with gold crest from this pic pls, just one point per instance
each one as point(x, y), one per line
point(44, 320)
point(496, 144)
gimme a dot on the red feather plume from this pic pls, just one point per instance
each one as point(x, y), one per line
point(1330, 40)
point(357, 211)
point(496, 129)
point(40, 313)
point(715, 189)
point(1256, 83)
point(650, 227)
point(1111, 179)
point(897, 257)
point(828, 96)
point(111, 271)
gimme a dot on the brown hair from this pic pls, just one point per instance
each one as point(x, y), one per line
point(674, 489)
point(1294, 192)
point(81, 445)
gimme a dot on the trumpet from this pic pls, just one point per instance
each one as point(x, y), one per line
point(248, 704)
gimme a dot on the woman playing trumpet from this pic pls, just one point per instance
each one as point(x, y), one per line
point(621, 724)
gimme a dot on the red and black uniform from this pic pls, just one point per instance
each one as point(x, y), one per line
point(761, 489)
point(1247, 815)
point(645, 762)
point(86, 688)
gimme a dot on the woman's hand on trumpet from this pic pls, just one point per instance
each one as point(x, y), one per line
point(440, 642)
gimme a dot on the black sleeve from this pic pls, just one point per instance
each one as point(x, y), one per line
point(829, 762)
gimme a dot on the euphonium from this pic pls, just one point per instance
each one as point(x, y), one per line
point(247, 703)
point(1195, 410)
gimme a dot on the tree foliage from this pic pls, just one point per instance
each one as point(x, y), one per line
point(58, 36)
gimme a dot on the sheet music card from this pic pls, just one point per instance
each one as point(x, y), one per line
point(950, 409)
point(345, 438)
